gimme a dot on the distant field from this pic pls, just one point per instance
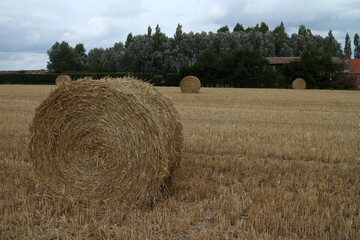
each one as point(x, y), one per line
point(257, 163)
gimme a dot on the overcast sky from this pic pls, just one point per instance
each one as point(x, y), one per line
point(28, 28)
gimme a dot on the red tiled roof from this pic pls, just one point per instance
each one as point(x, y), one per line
point(354, 65)
point(284, 60)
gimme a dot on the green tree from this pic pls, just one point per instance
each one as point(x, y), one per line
point(61, 58)
point(80, 57)
point(238, 28)
point(158, 38)
point(178, 34)
point(108, 61)
point(129, 39)
point(347, 48)
point(138, 54)
point(280, 37)
point(304, 39)
point(223, 29)
point(307, 68)
point(356, 46)
point(331, 45)
point(263, 28)
point(318, 71)
point(187, 50)
point(94, 61)
point(206, 65)
point(237, 68)
point(303, 31)
point(112, 59)
point(149, 31)
point(119, 54)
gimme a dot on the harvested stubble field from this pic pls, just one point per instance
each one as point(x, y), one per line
point(257, 164)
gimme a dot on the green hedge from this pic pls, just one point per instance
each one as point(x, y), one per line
point(19, 78)
point(49, 78)
point(172, 79)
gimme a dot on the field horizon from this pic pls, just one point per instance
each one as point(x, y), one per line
point(256, 164)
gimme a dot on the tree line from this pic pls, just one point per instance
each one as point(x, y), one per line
point(247, 68)
point(157, 53)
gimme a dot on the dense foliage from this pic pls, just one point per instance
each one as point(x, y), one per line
point(237, 68)
point(320, 72)
point(62, 57)
point(155, 52)
point(356, 46)
point(225, 58)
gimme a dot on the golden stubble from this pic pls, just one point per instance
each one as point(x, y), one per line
point(257, 164)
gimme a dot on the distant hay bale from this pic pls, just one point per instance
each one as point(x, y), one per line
point(106, 140)
point(299, 83)
point(158, 80)
point(190, 84)
point(62, 79)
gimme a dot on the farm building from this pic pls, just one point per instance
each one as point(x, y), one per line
point(353, 66)
point(277, 62)
point(354, 72)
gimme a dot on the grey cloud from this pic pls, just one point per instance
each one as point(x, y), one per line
point(123, 9)
point(33, 26)
point(22, 61)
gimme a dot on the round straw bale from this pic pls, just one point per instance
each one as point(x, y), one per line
point(299, 83)
point(104, 140)
point(62, 79)
point(190, 84)
point(86, 78)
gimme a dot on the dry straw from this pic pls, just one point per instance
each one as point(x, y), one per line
point(104, 140)
point(62, 79)
point(299, 83)
point(190, 84)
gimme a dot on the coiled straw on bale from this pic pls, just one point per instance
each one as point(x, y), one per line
point(108, 139)
point(299, 83)
point(190, 84)
point(62, 79)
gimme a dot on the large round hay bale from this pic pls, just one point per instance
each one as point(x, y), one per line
point(299, 83)
point(104, 140)
point(190, 84)
point(62, 79)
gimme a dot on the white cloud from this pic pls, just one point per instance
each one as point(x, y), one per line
point(32, 26)
point(213, 12)
point(23, 61)
point(123, 9)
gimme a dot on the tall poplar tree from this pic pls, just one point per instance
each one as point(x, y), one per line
point(149, 31)
point(129, 39)
point(158, 38)
point(356, 46)
point(330, 44)
point(347, 49)
point(178, 34)
point(279, 37)
point(223, 29)
point(239, 28)
point(80, 56)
